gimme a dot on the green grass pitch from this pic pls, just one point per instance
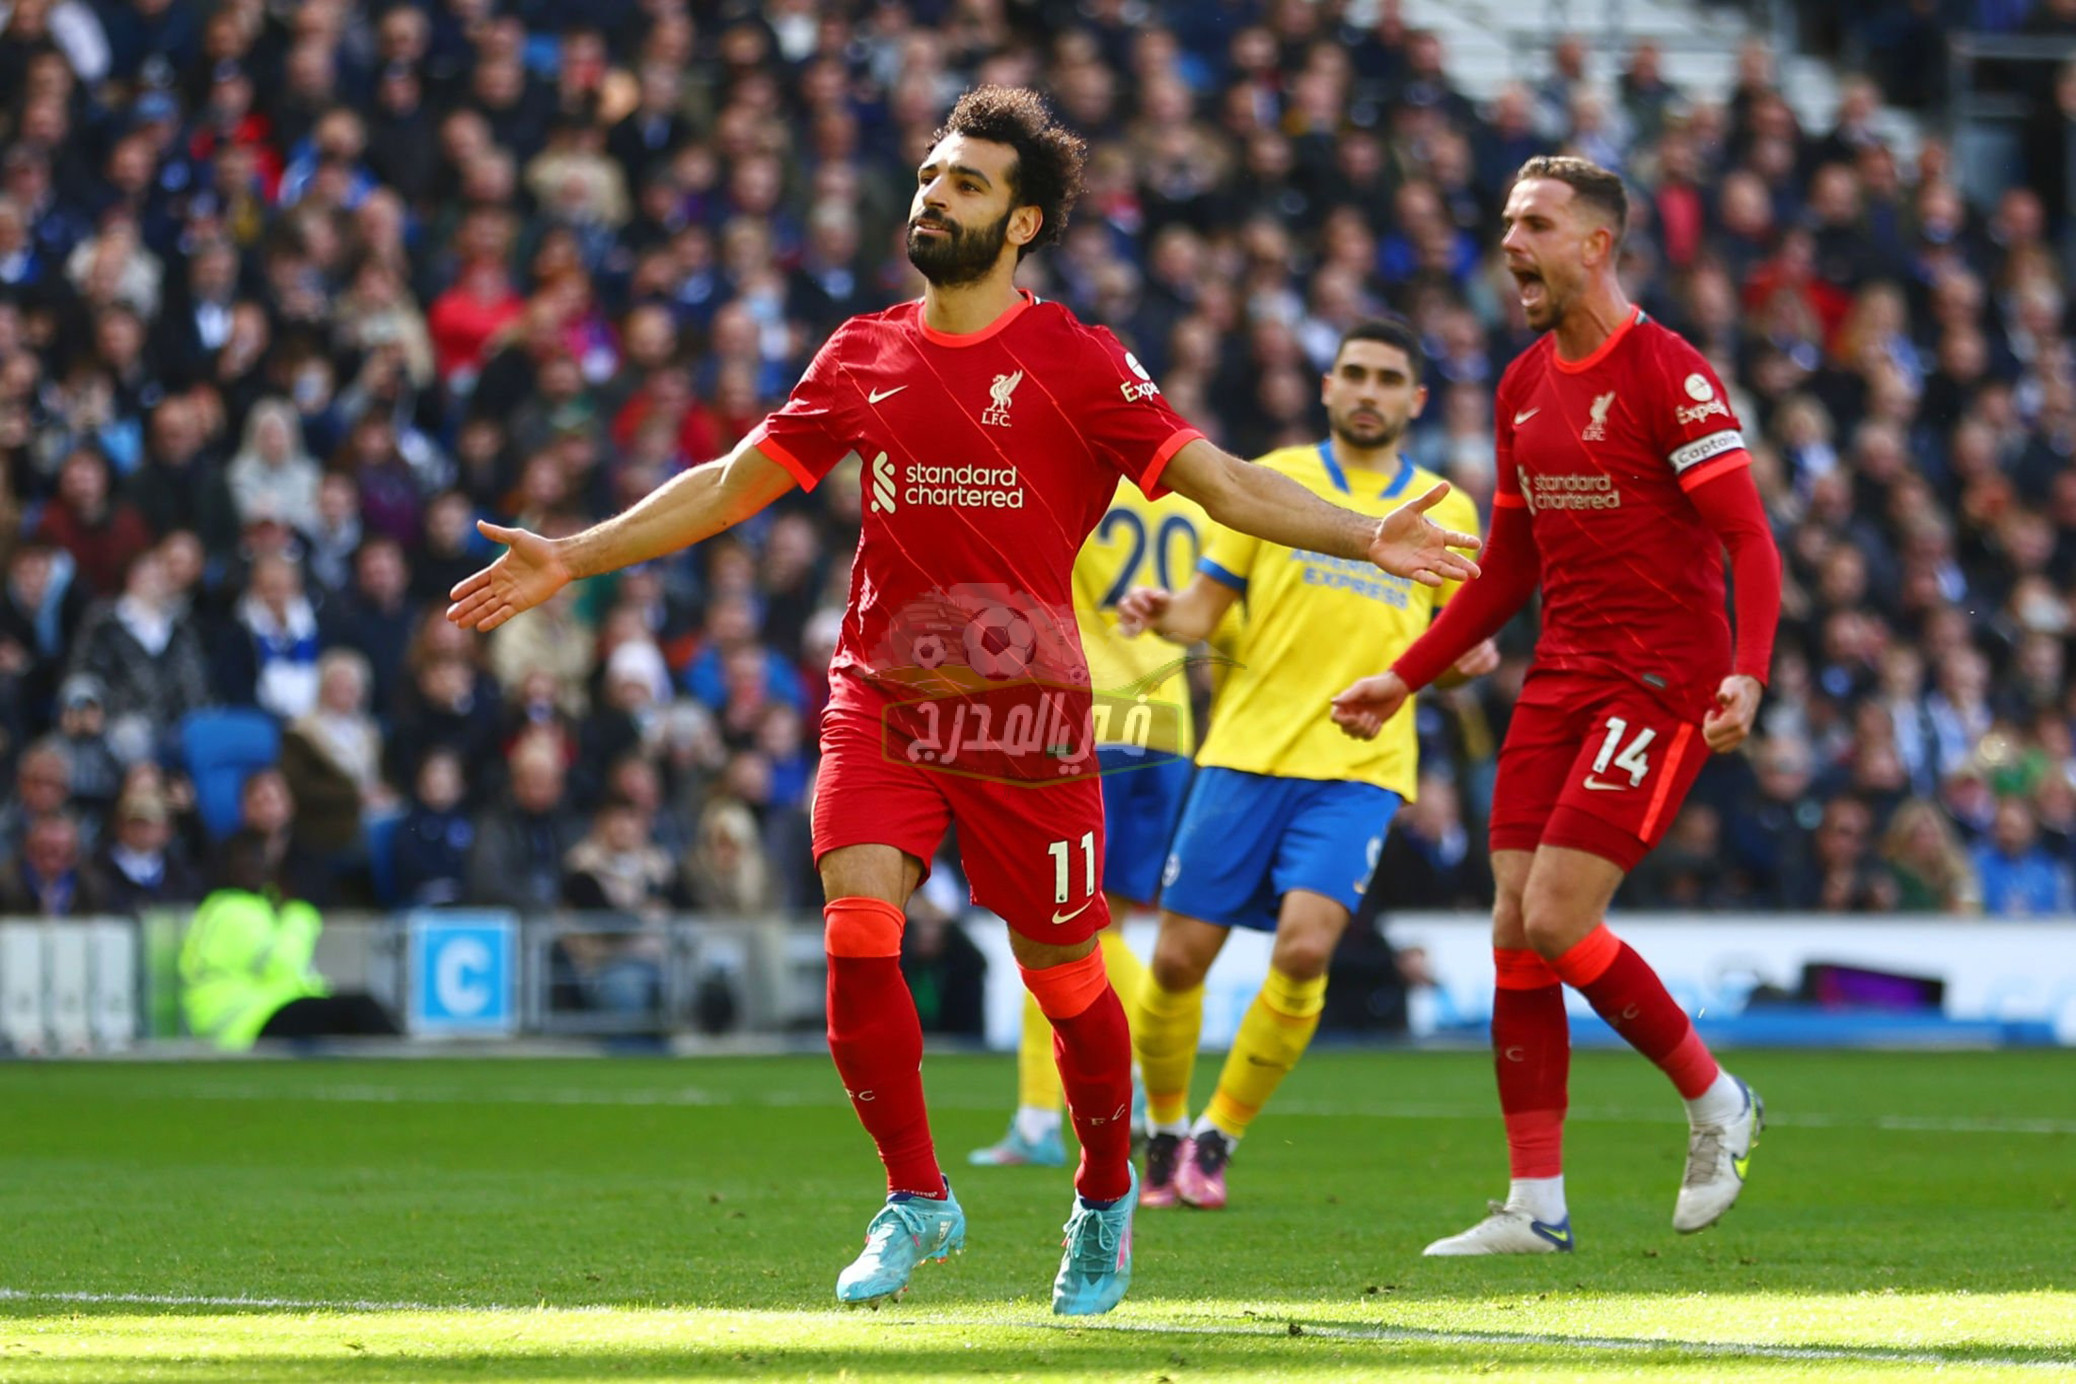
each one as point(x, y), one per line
point(634, 1219)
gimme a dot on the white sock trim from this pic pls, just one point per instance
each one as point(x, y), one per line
point(1036, 1122)
point(1540, 1197)
point(1721, 1103)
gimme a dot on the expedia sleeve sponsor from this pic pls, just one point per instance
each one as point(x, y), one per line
point(1703, 448)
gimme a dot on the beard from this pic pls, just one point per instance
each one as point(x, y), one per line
point(964, 255)
point(1382, 432)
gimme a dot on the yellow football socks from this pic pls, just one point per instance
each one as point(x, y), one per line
point(1126, 971)
point(1277, 1028)
point(1165, 1025)
point(1037, 1079)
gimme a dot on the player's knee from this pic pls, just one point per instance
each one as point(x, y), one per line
point(1546, 929)
point(1303, 957)
point(1175, 970)
point(1509, 928)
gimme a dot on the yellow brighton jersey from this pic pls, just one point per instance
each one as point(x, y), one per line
point(1140, 542)
point(1315, 624)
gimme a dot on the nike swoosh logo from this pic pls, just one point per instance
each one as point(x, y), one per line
point(1521, 418)
point(1740, 1164)
point(878, 394)
point(1553, 1234)
point(1597, 786)
point(1264, 1062)
point(1059, 917)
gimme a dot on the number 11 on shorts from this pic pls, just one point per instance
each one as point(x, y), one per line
point(1059, 851)
point(1631, 757)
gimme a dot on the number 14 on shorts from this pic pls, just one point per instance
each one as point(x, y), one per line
point(1629, 758)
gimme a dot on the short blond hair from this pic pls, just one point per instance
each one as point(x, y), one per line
point(1601, 188)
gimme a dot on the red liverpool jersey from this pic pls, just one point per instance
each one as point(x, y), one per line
point(986, 460)
point(1602, 452)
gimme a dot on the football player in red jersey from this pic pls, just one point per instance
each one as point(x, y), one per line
point(991, 431)
point(1622, 478)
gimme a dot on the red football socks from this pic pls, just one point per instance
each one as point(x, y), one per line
point(877, 1040)
point(1093, 1047)
point(1625, 991)
point(1531, 1053)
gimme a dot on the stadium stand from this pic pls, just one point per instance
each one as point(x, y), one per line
point(289, 295)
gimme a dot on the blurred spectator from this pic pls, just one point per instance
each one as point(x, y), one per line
point(271, 472)
point(1925, 857)
point(516, 861)
point(100, 531)
point(946, 974)
point(146, 652)
point(725, 873)
point(1844, 876)
point(450, 703)
point(95, 775)
point(140, 866)
point(46, 879)
point(558, 645)
point(267, 809)
point(1429, 860)
point(433, 841)
point(616, 867)
point(40, 611)
point(2019, 878)
point(376, 617)
point(42, 788)
point(271, 657)
point(332, 756)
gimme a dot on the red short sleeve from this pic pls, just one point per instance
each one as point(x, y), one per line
point(815, 428)
point(1121, 411)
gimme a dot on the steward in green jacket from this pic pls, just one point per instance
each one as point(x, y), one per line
point(247, 952)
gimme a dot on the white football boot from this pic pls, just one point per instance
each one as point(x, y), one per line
point(1507, 1230)
point(1717, 1157)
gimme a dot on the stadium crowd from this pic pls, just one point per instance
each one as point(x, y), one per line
point(290, 295)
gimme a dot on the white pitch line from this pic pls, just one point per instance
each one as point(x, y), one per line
point(1877, 1355)
point(205, 1300)
point(694, 1096)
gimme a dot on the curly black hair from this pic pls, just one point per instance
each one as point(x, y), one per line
point(1049, 156)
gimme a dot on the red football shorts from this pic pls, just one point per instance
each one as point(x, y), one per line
point(1594, 764)
point(1033, 854)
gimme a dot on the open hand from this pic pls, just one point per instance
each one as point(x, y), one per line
point(1409, 544)
point(1737, 706)
point(528, 573)
point(1362, 710)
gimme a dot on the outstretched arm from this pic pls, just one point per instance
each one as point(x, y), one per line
point(691, 506)
point(1269, 505)
point(1184, 616)
point(1480, 610)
